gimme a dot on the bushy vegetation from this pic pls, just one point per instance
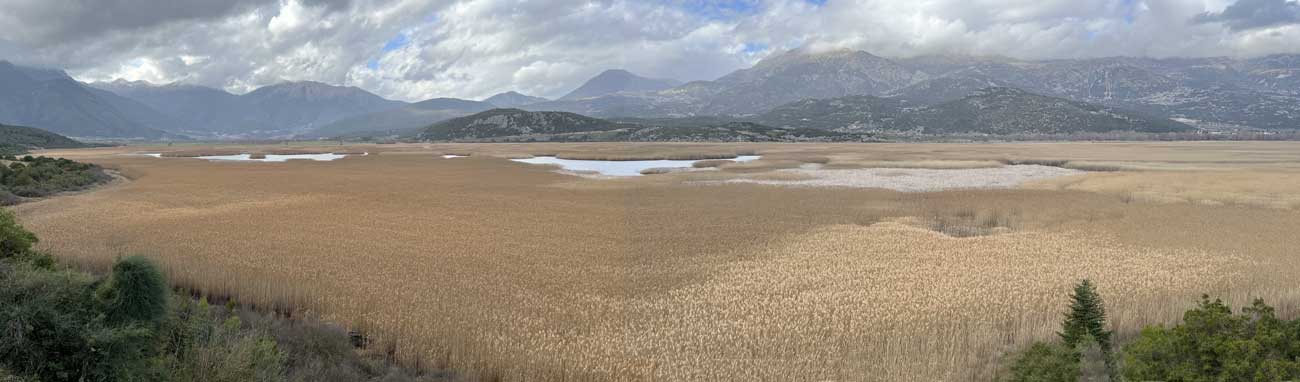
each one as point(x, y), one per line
point(1084, 343)
point(64, 325)
point(40, 176)
point(1211, 344)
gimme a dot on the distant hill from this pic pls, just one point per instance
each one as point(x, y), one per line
point(617, 81)
point(994, 110)
point(197, 110)
point(53, 100)
point(513, 99)
point(1214, 92)
point(281, 110)
point(1013, 111)
point(296, 107)
point(852, 113)
point(20, 139)
point(783, 78)
point(402, 120)
point(948, 87)
point(512, 122)
point(800, 74)
point(514, 125)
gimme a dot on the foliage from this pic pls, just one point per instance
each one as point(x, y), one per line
point(1046, 362)
point(1086, 321)
point(1212, 344)
point(62, 325)
point(14, 239)
point(201, 345)
point(41, 176)
point(49, 318)
point(1084, 344)
point(134, 293)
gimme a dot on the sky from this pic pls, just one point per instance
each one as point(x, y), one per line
point(418, 49)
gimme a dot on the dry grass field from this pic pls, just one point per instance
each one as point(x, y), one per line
point(513, 271)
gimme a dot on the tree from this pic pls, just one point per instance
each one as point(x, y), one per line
point(134, 293)
point(14, 239)
point(1212, 344)
point(1085, 322)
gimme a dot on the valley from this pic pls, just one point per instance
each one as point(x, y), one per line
point(517, 271)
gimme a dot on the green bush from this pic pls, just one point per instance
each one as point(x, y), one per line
point(14, 239)
point(1084, 349)
point(1046, 362)
point(134, 293)
point(42, 176)
point(58, 325)
point(49, 320)
point(1213, 344)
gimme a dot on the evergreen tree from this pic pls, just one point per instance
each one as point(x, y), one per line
point(1086, 322)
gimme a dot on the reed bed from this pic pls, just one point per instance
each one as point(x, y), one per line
point(509, 272)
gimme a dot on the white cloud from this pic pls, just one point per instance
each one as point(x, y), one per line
point(474, 48)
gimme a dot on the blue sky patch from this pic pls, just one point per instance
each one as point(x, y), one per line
point(396, 43)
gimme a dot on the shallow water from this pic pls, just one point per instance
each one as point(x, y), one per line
point(619, 168)
point(326, 157)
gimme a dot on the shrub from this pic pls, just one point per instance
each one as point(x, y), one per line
point(135, 292)
point(14, 239)
point(1212, 344)
point(48, 319)
point(1046, 362)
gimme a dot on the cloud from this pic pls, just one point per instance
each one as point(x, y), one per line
point(1253, 14)
point(419, 49)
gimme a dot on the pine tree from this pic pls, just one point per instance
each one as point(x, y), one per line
point(1086, 322)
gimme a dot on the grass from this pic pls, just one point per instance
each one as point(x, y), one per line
point(515, 272)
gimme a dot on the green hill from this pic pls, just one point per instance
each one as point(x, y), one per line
point(514, 125)
point(19, 139)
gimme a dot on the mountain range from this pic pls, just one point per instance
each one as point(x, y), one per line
point(1208, 93)
point(1215, 93)
point(516, 125)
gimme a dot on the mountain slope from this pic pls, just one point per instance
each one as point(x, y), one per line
point(993, 110)
point(1002, 110)
point(197, 110)
point(279, 110)
point(294, 107)
point(852, 114)
point(403, 119)
point(617, 81)
point(512, 122)
point(513, 99)
point(792, 76)
point(800, 74)
point(1259, 93)
point(20, 139)
point(53, 100)
point(514, 125)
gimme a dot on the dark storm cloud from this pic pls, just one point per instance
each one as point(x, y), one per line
point(42, 21)
point(1252, 14)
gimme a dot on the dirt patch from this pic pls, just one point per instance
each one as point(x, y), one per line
point(918, 180)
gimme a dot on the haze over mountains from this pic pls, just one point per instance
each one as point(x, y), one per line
point(841, 90)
